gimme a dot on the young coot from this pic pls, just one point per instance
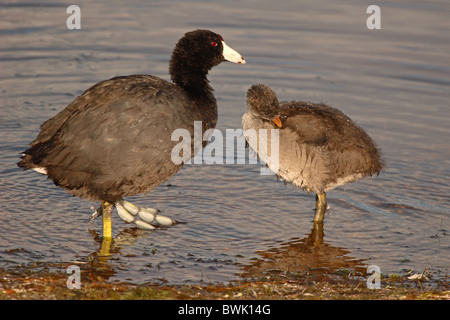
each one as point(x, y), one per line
point(114, 140)
point(319, 148)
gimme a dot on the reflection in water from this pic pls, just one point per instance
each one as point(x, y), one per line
point(110, 247)
point(398, 221)
point(308, 256)
point(101, 262)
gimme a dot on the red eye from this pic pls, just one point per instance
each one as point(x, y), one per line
point(214, 44)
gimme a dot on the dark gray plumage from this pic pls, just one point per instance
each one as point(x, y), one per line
point(114, 140)
point(320, 148)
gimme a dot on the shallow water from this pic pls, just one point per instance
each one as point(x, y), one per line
point(394, 82)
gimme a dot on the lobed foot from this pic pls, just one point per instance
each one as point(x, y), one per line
point(143, 218)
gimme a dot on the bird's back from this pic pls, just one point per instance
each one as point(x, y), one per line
point(319, 147)
point(336, 150)
point(115, 139)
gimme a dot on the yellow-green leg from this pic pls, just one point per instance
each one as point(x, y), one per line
point(321, 206)
point(106, 209)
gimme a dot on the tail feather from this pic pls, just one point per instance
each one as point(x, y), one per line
point(28, 161)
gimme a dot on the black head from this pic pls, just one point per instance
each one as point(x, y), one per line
point(197, 53)
point(262, 102)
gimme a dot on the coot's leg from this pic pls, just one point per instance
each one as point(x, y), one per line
point(143, 218)
point(105, 211)
point(321, 206)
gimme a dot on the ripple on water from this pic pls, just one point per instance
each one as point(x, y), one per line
point(238, 223)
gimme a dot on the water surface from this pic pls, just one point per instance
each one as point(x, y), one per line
point(394, 82)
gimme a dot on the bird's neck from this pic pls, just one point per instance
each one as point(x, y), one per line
point(195, 84)
point(190, 76)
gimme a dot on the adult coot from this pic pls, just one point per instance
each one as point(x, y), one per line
point(319, 147)
point(114, 140)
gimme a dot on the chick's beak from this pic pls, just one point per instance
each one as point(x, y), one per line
point(277, 121)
